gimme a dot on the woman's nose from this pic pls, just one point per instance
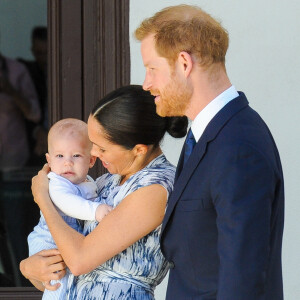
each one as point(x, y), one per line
point(94, 152)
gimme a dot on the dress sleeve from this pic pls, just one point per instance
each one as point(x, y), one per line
point(162, 174)
point(163, 177)
point(67, 198)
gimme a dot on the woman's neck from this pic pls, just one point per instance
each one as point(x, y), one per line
point(142, 161)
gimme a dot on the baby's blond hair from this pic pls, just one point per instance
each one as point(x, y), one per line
point(68, 127)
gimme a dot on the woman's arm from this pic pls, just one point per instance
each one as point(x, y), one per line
point(136, 216)
point(42, 267)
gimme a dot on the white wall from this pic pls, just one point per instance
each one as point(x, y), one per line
point(17, 18)
point(263, 60)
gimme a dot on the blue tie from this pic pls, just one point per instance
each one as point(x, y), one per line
point(190, 142)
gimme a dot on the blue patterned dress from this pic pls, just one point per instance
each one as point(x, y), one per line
point(135, 272)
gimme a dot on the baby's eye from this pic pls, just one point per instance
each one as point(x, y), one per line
point(76, 155)
point(59, 155)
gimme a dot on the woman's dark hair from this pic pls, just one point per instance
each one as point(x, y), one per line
point(128, 116)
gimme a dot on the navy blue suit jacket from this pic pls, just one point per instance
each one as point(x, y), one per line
point(223, 227)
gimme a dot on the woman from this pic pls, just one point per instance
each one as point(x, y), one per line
point(120, 258)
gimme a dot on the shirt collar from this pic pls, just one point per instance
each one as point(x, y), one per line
point(210, 110)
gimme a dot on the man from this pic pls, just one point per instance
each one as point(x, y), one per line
point(37, 133)
point(18, 102)
point(222, 232)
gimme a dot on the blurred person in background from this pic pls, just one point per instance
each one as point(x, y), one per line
point(18, 104)
point(37, 133)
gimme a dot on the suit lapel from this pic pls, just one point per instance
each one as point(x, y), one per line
point(183, 174)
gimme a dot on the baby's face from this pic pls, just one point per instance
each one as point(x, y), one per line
point(70, 158)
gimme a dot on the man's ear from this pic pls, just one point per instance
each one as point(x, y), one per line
point(185, 62)
point(48, 159)
point(92, 160)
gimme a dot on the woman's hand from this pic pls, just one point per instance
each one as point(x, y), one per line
point(42, 267)
point(40, 185)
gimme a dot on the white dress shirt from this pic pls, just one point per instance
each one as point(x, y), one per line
point(210, 110)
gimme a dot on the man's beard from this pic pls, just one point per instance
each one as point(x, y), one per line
point(174, 98)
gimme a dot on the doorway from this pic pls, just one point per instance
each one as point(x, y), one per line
point(88, 56)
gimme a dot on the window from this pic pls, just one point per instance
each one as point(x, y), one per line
point(88, 56)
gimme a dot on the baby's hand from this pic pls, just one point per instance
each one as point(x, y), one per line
point(102, 210)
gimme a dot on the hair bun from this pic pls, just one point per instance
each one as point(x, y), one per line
point(177, 126)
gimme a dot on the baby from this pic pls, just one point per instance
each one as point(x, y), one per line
point(70, 187)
